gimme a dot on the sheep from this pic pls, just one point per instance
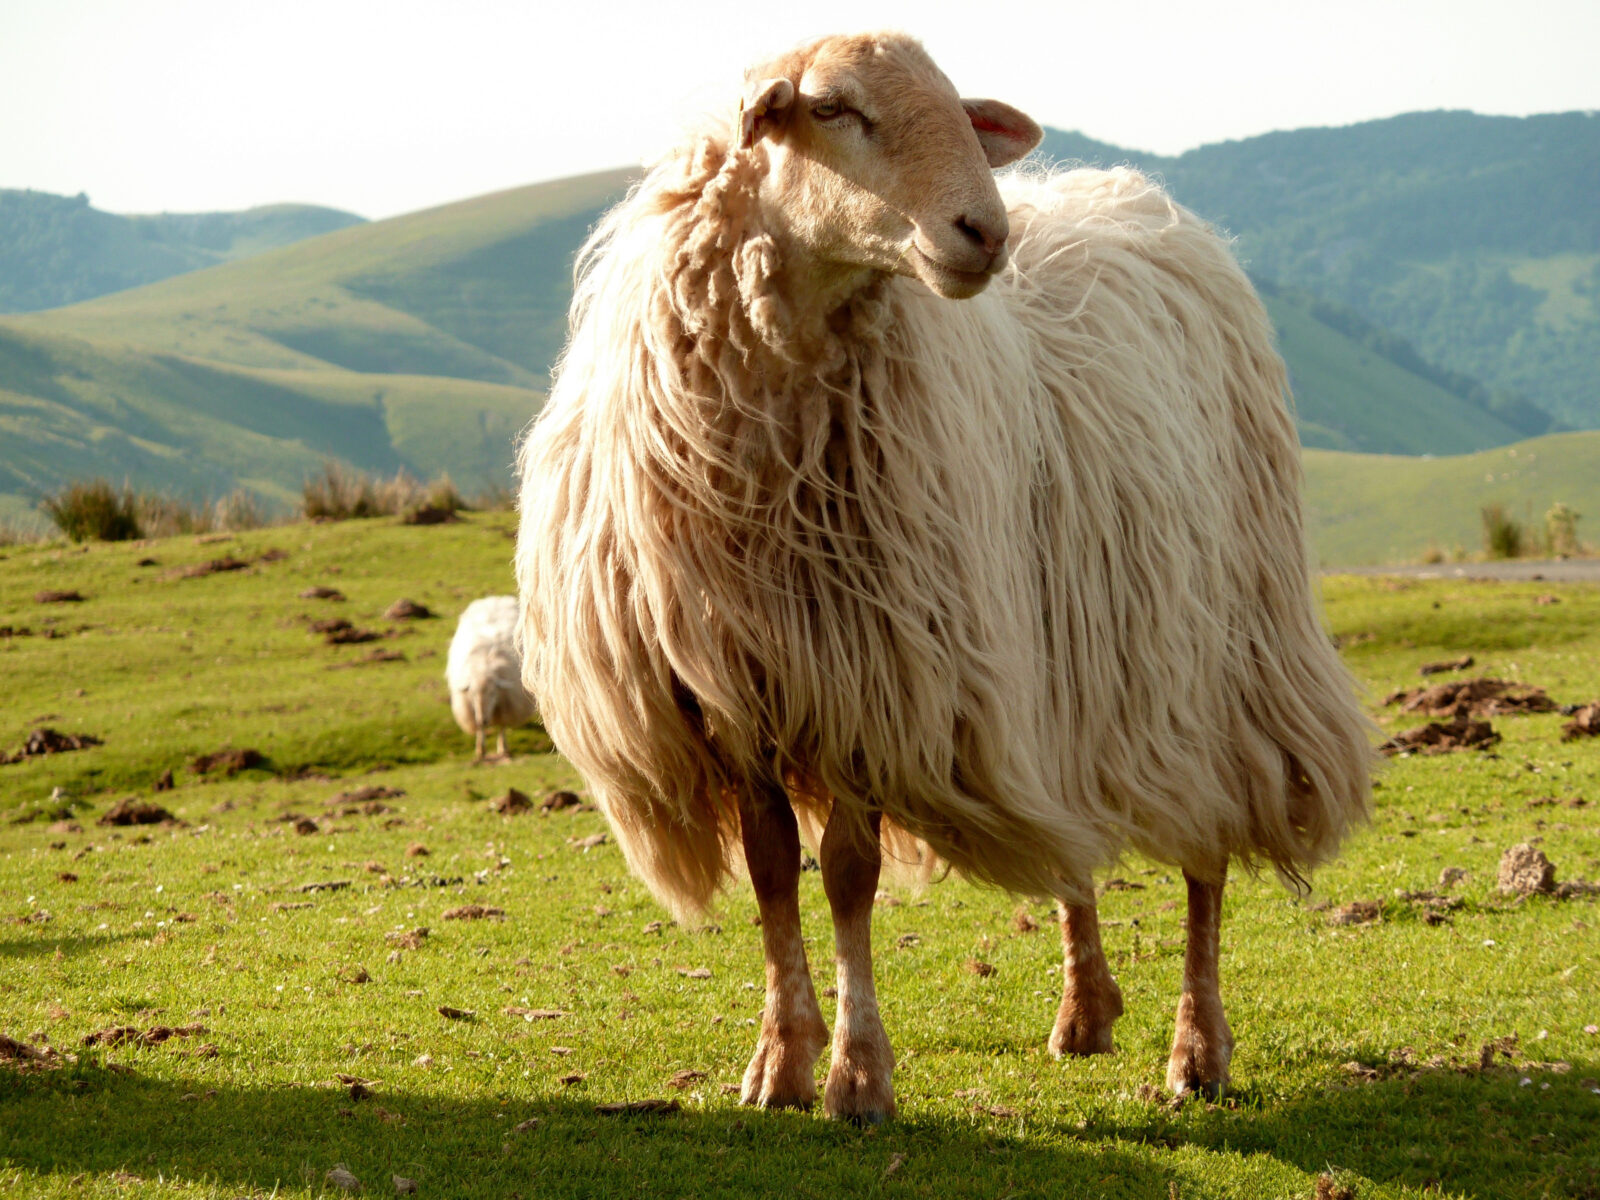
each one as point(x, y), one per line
point(484, 674)
point(957, 518)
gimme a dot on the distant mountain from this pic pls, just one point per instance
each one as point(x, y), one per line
point(419, 343)
point(57, 250)
point(1474, 239)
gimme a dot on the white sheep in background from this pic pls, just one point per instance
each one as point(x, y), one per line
point(869, 490)
point(485, 674)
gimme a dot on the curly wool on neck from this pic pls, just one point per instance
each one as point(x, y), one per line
point(954, 560)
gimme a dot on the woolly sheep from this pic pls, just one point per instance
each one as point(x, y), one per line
point(955, 519)
point(485, 675)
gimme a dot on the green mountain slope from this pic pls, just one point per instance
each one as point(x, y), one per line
point(1475, 238)
point(1377, 508)
point(420, 343)
point(57, 250)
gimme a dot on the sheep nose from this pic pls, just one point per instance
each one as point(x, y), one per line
point(987, 233)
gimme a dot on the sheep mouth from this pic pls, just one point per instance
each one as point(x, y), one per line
point(951, 282)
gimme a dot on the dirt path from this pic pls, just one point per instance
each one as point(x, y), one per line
point(1574, 570)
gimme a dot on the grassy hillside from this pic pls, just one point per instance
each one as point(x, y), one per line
point(1360, 1047)
point(1347, 397)
point(1377, 508)
point(57, 250)
point(423, 342)
point(419, 343)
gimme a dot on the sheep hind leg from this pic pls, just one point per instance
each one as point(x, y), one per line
point(1091, 1002)
point(782, 1072)
point(502, 753)
point(1202, 1044)
point(861, 1078)
point(477, 754)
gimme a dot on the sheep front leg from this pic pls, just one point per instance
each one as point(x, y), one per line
point(477, 754)
point(861, 1079)
point(1202, 1045)
point(782, 1071)
point(1091, 1002)
point(502, 752)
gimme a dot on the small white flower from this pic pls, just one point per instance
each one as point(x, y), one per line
point(1524, 1082)
point(1488, 941)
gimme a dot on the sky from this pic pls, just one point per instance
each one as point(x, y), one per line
point(386, 107)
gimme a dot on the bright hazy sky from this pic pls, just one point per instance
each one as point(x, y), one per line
point(384, 107)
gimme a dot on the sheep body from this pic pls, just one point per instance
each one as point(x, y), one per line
point(484, 671)
point(1026, 572)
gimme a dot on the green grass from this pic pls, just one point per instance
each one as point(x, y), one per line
point(1377, 508)
point(165, 668)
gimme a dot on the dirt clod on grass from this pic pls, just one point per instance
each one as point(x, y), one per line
point(1524, 870)
point(227, 762)
point(407, 610)
point(54, 596)
point(631, 1108)
point(511, 804)
point(305, 825)
point(321, 593)
point(474, 912)
point(350, 636)
point(532, 1014)
point(976, 966)
point(44, 740)
point(417, 850)
point(134, 811)
point(1438, 737)
point(1357, 912)
point(117, 1035)
point(559, 801)
point(23, 1057)
point(588, 843)
point(1585, 723)
point(1449, 664)
point(164, 782)
point(685, 1079)
point(457, 1014)
point(214, 566)
point(409, 940)
point(1473, 697)
point(1024, 921)
point(1329, 1189)
point(404, 1186)
point(366, 794)
point(341, 1178)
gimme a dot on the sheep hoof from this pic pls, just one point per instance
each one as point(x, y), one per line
point(858, 1095)
point(781, 1075)
point(1084, 1022)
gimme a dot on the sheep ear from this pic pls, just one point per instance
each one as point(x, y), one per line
point(1005, 133)
point(762, 102)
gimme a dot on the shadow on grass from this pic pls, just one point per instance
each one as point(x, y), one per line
point(88, 1120)
point(1477, 1134)
point(1482, 1133)
point(65, 946)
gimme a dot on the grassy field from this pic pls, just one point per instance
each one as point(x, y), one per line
point(1382, 508)
point(1359, 1047)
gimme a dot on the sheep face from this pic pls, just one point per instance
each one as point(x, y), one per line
point(876, 164)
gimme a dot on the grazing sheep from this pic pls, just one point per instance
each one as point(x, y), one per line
point(867, 494)
point(485, 674)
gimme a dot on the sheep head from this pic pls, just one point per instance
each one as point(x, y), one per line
point(876, 163)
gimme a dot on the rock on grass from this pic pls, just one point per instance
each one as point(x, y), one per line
point(1524, 870)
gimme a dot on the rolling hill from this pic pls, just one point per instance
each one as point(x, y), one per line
point(57, 250)
point(419, 343)
point(423, 342)
point(1381, 508)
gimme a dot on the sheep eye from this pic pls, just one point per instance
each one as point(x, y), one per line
point(828, 110)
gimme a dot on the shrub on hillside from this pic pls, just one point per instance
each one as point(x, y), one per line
point(1502, 535)
point(338, 493)
point(94, 511)
point(1561, 530)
